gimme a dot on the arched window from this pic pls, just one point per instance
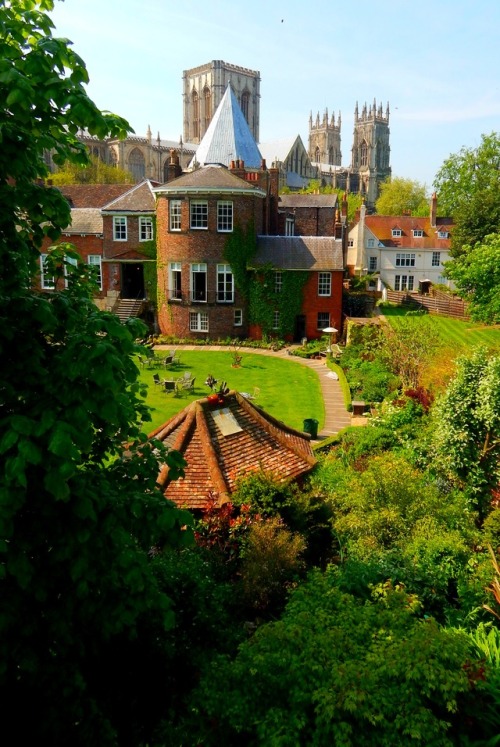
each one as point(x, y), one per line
point(330, 155)
point(207, 96)
point(317, 154)
point(364, 154)
point(195, 102)
point(245, 101)
point(136, 165)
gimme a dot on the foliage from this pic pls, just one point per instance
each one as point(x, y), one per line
point(95, 172)
point(79, 512)
point(271, 565)
point(408, 347)
point(354, 201)
point(400, 196)
point(476, 273)
point(468, 187)
point(336, 671)
point(467, 427)
point(264, 300)
point(239, 250)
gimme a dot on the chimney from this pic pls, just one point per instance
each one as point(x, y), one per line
point(174, 168)
point(433, 210)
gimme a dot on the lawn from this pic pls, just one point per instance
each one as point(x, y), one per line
point(289, 391)
point(459, 334)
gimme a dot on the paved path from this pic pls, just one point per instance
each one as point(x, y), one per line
point(336, 416)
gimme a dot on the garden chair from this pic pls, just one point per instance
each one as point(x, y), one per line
point(186, 376)
point(170, 386)
point(168, 361)
point(156, 379)
point(188, 384)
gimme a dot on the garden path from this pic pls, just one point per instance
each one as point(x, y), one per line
point(336, 415)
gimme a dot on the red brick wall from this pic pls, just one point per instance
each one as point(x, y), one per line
point(312, 304)
point(309, 221)
point(84, 245)
point(207, 246)
point(129, 249)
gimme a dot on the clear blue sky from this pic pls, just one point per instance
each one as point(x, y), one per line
point(436, 62)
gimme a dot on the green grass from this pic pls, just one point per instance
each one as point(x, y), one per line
point(289, 390)
point(461, 335)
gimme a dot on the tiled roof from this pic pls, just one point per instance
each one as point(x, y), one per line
point(85, 220)
point(138, 199)
point(208, 179)
point(320, 253)
point(382, 225)
point(92, 195)
point(307, 201)
point(228, 136)
point(215, 461)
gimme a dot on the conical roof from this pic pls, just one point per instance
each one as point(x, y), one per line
point(228, 137)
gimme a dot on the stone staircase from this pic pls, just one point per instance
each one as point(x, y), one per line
point(127, 307)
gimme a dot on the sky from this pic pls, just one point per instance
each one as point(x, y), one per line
point(435, 62)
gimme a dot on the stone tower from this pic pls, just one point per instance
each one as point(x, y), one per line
point(203, 89)
point(371, 150)
point(324, 140)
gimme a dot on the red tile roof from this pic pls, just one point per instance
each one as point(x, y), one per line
point(382, 225)
point(92, 195)
point(215, 461)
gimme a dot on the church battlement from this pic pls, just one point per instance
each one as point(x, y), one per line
point(371, 113)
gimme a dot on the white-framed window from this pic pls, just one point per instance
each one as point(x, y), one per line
point(145, 228)
point(198, 321)
point(323, 319)
point(95, 261)
point(436, 259)
point(175, 281)
point(403, 282)
point(225, 284)
point(371, 243)
point(276, 320)
point(324, 284)
point(238, 317)
point(405, 259)
point(443, 234)
point(198, 210)
point(199, 282)
point(372, 264)
point(418, 233)
point(47, 282)
point(396, 232)
point(278, 281)
point(290, 227)
point(175, 214)
point(225, 216)
point(119, 227)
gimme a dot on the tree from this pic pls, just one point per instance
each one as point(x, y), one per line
point(96, 172)
point(408, 347)
point(468, 187)
point(402, 197)
point(476, 274)
point(79, 513)
point(467, 427)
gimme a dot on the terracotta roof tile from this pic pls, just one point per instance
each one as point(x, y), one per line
point(92, 195)
point(215, 461)
point(382, 226)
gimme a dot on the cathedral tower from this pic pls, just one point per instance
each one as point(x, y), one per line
point(324, 140)
point(371, 150)
point(203, 89)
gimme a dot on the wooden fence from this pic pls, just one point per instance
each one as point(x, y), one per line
point(437, 303)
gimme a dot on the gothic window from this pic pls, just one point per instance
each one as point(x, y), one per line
point(245, 101)
point(364, 154)
point(330, 155)
point(137, 165)
point(208, 106)
point(195, 101)
point(317, 155)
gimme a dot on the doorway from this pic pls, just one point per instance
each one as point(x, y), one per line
point(133, 281)
point(300, 327)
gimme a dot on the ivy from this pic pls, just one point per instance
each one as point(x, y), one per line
point(239, 249)
point(264, 300)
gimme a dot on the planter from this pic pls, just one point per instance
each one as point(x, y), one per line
point(213, 398)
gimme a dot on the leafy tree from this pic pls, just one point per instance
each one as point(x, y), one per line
point(78, 513)
point(400, 196)
point(467, 427)
point(96, 172)
point(354, 201)
point(336, 670)
point(408, 348)
point(476, 274)
point(468, 187)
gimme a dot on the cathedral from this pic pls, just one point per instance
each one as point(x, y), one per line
point(203, 90)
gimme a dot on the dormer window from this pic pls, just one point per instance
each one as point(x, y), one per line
point(443, 234)
point(418, 233)
point(396, 233)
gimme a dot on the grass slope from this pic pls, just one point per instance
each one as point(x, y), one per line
point(289, 390)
